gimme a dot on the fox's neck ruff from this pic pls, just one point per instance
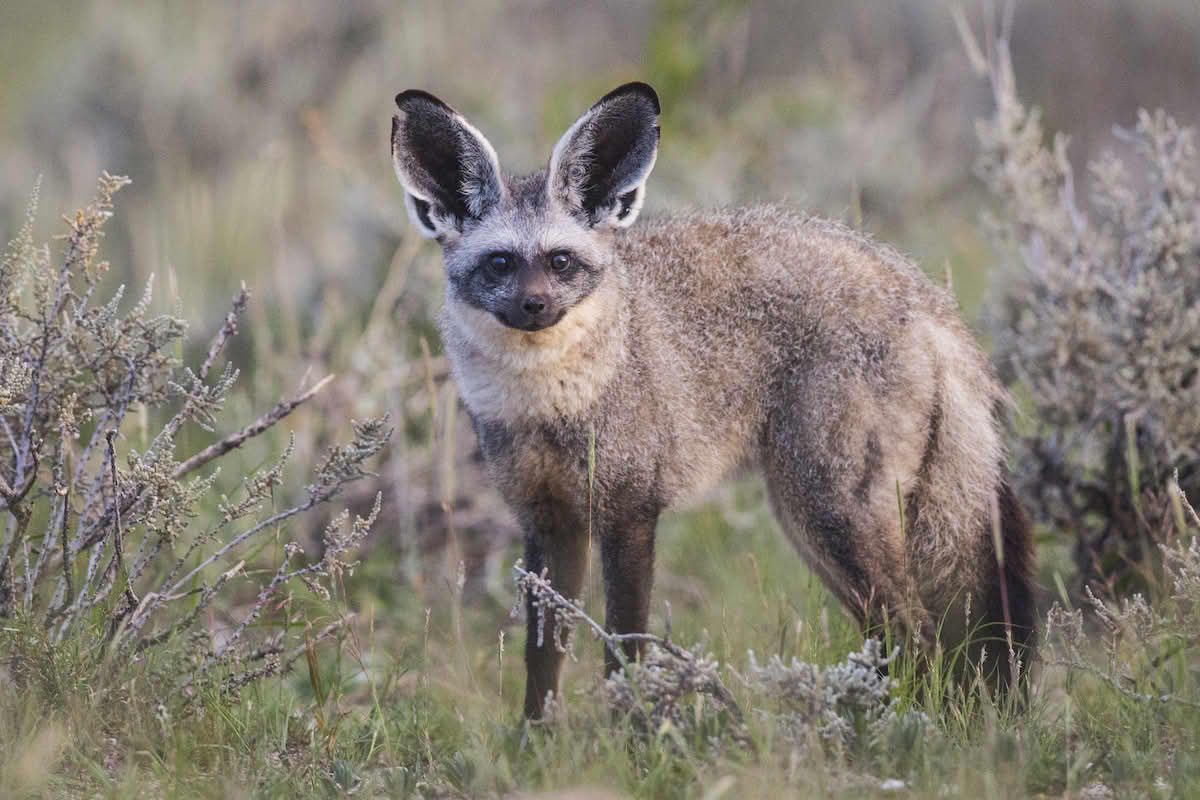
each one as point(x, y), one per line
point(515, 376)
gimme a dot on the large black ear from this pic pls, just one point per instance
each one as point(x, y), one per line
point(599, 167)
point(448, 169)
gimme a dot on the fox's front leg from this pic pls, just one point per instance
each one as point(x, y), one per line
point(563, 554)
point(627, 552)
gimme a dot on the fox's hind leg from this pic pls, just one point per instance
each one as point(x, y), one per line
point(855, 562)
point(833, 470)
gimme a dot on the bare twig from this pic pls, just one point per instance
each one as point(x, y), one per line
point(235, 440)
point(228, 329)
point(117, 565)
point(119, 533)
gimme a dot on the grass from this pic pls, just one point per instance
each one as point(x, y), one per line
point(422, 698)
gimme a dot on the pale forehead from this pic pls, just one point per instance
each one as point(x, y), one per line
point(529, 225)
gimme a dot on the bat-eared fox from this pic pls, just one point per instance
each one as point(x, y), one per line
point(613, 371)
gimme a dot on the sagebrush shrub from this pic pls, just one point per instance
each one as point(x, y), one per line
point(1148, 652)
point(1098, 326)
point(111, 554)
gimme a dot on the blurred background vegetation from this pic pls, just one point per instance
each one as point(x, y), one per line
point(256, 135)
point(256, 138)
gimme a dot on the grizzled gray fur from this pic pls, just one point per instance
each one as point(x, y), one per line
point(696, 345)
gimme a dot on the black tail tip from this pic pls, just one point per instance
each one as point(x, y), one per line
point(1012, 605)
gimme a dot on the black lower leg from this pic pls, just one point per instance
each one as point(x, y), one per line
point(628, 556)
point(565, 560)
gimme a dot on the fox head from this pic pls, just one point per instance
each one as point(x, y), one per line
point(525, 251)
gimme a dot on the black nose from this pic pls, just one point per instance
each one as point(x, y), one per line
point(534, 305)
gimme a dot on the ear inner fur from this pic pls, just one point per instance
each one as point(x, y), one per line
point(445, 164)
point(599, 166)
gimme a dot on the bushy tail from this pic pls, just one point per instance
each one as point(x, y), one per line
point(1011, 603)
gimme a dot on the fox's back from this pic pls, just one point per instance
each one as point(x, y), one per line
point(731, 301)
point(767, 277)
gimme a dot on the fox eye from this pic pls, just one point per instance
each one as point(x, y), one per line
point(500, 263)
point(560, 261)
